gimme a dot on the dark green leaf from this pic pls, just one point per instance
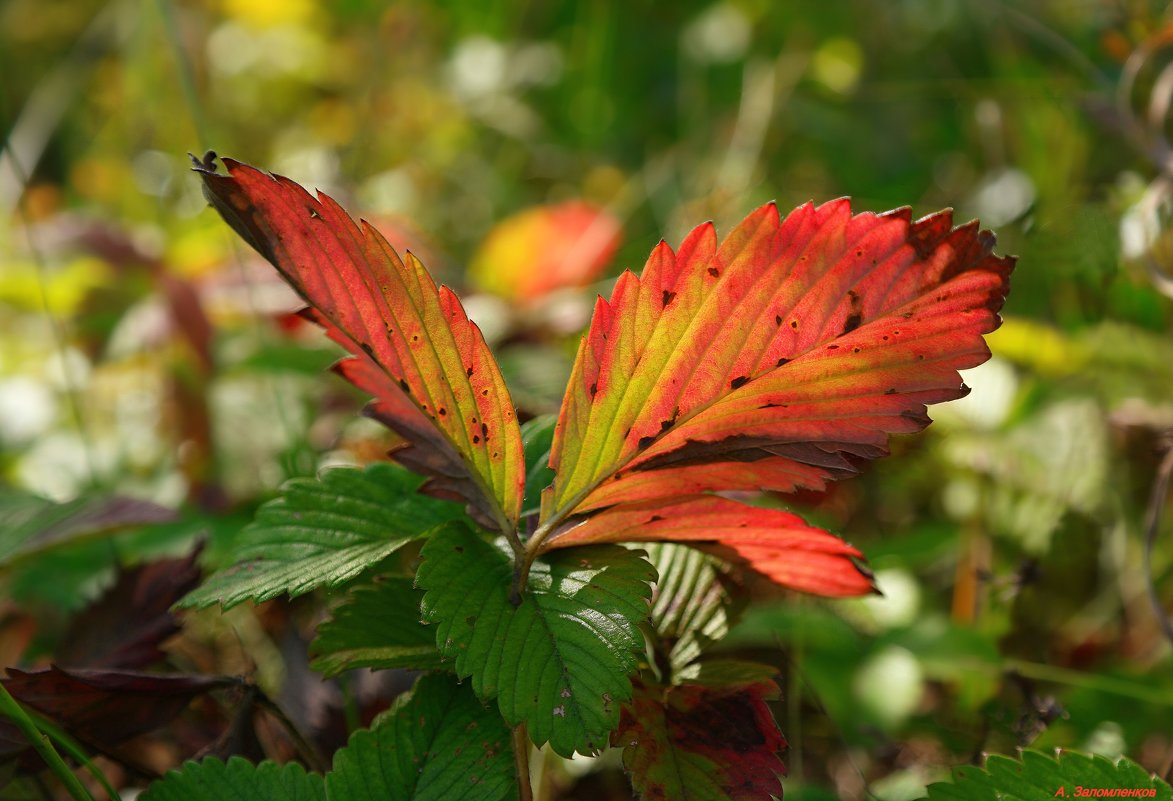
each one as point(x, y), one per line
point(377, 627)
point(560, 660)
point(322, 532)
point(437, 744)
point(238, 780)
point(536, 436)
point(1039, 777)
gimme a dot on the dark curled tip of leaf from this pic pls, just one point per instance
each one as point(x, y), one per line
point(205, 164)
point(740, 381)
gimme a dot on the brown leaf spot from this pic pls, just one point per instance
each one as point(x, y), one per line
point(832, 347)
point(367, 349)
point(713, 271)
point(890, 391)
point(740, 381)
point(442, 411)
point(666, 298)
point(403, 385)
point(471, 620)
point(485, 431)
point(855, 350)
point(770, 405)
point(852, 322)
point(594, 390)
point(645, 441)
point(781, 362)
point(475, 439)
point(468, 372)
point(794, 324)
point(655, 519)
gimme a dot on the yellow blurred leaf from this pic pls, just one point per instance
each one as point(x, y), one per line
point(545, 248)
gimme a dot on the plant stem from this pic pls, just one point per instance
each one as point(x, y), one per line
point(304, 747)
point(12, 710)
point(525, 789)
point(69, 746)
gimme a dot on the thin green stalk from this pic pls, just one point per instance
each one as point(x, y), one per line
point(521, 760)
point(12, 710)
point(73, 749)
point(1091, 681)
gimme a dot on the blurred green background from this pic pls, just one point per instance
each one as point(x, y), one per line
point(144, 351)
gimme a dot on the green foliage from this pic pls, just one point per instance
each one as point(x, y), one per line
point(30, 525)
point(437, 744)
point(1039, 777)
point(239, 780)
point(323, 532)
point(557, 661)
point(377, 626)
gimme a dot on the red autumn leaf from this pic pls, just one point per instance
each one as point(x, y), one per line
point(414, 349)
point(545, 248)
point(107, 707)
point(778, 544)
point(696, 741)
point(774, 361)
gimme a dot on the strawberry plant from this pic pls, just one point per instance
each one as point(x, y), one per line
point(775, 360)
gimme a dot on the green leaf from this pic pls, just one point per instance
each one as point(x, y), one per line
point(238, 780)
point(377, 627)
point(322, 532)
point(691, 604)
point(437, 744)
point(702, 743)
point(30, 524)
point(1039, 777)
point(560, 660)
point(536, 436)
